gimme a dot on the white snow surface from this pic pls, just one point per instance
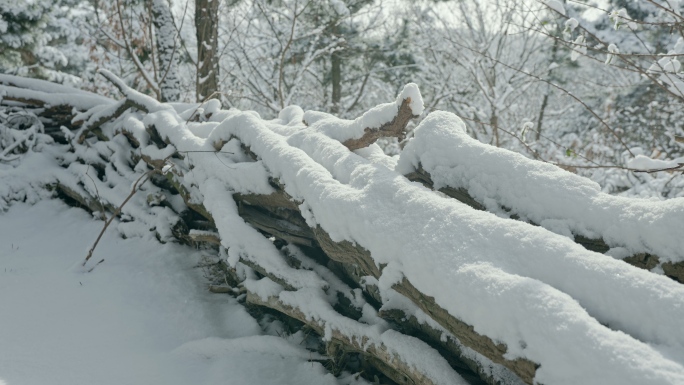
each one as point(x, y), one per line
point(642, 162)
point(542, 193)
point(571, 24)
point(141, 317)
point(556, 6)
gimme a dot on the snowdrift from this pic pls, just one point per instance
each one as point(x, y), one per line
point(486, 271)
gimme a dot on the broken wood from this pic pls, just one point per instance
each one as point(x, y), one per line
point(205, 237)
point(395, 128)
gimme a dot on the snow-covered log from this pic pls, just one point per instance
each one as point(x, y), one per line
point(425, 288)
point(405, 359)
point(386, 120)
point(641, 232)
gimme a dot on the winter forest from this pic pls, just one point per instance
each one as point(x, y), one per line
point(346, 192)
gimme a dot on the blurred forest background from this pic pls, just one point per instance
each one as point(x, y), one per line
point(587, 85)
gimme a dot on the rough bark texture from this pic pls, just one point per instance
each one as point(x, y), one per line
point(395, 128)
point(524, 369)
point(392, 366)
point(206, 24)
point(447, 346)
point(336, 75)
point(167, 50)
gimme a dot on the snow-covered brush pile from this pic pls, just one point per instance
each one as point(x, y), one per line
point(494, 278)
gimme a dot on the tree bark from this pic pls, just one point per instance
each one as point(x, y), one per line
point(165, 33)
point(206, 24)
point(336, 74)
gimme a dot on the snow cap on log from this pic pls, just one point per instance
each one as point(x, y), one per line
point(384, 120)
point(543, 193)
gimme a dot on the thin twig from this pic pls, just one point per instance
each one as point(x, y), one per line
point(680, 167)
point(143, 178)
point(97, 193)
point(220, 152)
point(554, 85)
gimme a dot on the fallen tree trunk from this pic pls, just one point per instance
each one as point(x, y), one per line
point(353, 255)
point(642, 260)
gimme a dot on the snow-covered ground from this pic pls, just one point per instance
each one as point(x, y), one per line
point(143, 316)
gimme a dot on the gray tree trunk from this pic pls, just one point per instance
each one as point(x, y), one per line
point(168, 51)
point(336, 72)
point(206, 24)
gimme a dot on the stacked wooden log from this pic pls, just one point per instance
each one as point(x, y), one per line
point(331, 286)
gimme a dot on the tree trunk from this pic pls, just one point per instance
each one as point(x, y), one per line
point(336, 74)
point(545, 100)
point(494, 122)
point(206, 24)
point(169, 81)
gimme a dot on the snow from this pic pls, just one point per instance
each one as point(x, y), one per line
point(612, 50)
point(335, 284)
point(421, 357)
point(168, 52)
point(340, 8)
point(376, 155)
point(540, 192)
point(156, 153)
point(620, 17)
point(219, 361)
point(393, 300)
point(556, 6)
point(571, 24)
point(642, 162)
point(142, 316)
point(139, 99)
point(579, 49)
point(411, 91)
point(668, 68)
point(679, 46)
